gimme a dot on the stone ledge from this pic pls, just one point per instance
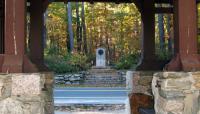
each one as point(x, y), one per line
point(24, 93)
point(176, 92)
point(140, 81)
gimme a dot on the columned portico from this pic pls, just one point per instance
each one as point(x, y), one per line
point(13, 58)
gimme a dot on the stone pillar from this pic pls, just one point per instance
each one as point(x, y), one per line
point(186, 57)
point(36, 34)
point(140, 95)
point(147, 61)
point(176, 92)
point(26, 93)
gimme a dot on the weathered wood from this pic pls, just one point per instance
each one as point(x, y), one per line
point(36, 34)
point(147, 60)
point(92, 1)
point(115, 1)
point(14, 37)
point(164, 10)
point(2, 10)
point(186, 56)
point(138, 100)
point(15, 59)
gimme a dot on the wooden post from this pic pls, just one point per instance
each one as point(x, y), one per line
point(186, 57)
point(15, 59)
point(14, 35)
point(147, 61)
point(36, 34)
point(2, 10)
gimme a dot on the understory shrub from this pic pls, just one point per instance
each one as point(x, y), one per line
point(67, 63)
point(128, 61)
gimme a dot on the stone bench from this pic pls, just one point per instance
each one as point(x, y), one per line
point(146, 111)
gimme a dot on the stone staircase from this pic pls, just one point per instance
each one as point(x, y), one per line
point(91, 100)
point(105, 78)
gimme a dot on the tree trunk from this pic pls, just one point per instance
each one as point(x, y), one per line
point(70, 30)
point(106, 35)
point(161, 31)
point(84, 29)
point(91, 31)
point(44, 30)
point(78, 38)
point(169, 34)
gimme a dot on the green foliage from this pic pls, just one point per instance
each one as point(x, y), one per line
point(163, 55)
point(127, 61)
point(116, 27)
point(68, 63)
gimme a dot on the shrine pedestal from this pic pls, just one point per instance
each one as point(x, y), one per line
point(24, 93)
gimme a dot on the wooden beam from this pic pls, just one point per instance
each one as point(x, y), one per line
point(91, 1)
point(116, 1)
point(138, 5)
point(148, 58)
point(164, 1)
point(164, 10)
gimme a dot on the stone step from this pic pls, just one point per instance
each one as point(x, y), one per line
point(103, 82)
point(146, 111)
point(96, 71)
point(90, 107)
point(93, 78)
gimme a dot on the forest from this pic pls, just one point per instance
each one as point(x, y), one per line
point(76, 29)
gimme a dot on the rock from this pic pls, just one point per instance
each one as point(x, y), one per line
point(77, 75)
point(76, 83)
point(176, 93)
point(59, 82)
point(145, 81)
point(68, 83)
point(12, 106)
point(25, 84)
point(74, 78)
point(67, 76)
point(59, 78)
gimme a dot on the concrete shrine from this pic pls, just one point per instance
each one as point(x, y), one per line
point(26, 83)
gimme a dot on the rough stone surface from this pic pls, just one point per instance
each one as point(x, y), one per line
point(141, 82)
point(12, 106)
point(26, 93)
point(94, 77)
point(1, 87)
point(176, 92)
point(24, 84)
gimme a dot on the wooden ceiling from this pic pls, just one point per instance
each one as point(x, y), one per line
point(115, 1)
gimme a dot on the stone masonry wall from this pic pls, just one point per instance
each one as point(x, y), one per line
point(26, 93)
point(139, 81)
point(176, 92)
